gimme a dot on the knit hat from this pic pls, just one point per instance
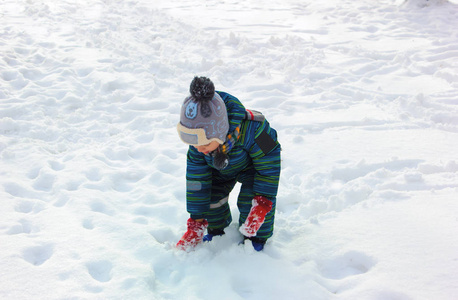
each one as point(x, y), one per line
point(203, 117)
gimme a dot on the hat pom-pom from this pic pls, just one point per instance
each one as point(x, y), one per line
point(202, 89)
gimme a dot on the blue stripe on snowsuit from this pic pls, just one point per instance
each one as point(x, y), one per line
point(258, 172)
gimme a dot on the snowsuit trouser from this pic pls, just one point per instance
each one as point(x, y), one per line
point(219, 216)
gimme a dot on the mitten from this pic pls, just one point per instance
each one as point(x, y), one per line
point(259, 210)
point(193, 235)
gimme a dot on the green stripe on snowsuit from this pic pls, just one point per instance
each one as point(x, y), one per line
point(257, 171)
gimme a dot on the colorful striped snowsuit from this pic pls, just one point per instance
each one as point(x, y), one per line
point(258, 172)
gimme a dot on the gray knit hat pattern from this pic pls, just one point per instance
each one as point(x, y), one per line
point(203, 119)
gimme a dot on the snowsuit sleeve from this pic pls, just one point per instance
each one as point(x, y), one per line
point(264, 151)
point(198, 184)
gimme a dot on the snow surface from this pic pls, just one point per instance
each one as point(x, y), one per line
point(364, 95)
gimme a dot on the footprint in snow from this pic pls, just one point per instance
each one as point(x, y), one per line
point(38, 255)
point(23, 226)
point(338, 274)
point(25, 206)
point(100, 270)
point(44, 182)
point(94, 174)
point(349, 264)
point(88, 224)
point(100, 206)
point(56, 166)
point(17, 190)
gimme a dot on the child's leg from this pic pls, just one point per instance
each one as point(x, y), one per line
point(219, 216)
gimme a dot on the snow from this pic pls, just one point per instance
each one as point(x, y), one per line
point(363, 94)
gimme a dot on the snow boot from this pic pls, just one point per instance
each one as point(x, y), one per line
point(211, 233)
point(258, 243)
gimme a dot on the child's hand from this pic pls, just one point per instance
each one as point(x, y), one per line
point(193, 235)
point(259, 210)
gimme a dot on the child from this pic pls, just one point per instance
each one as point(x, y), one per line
point(228, 144)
